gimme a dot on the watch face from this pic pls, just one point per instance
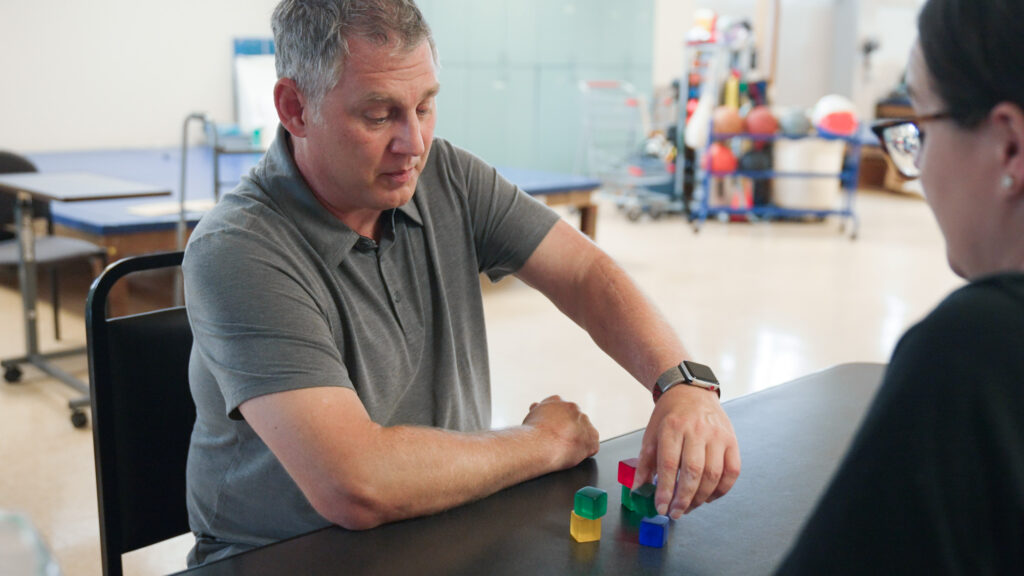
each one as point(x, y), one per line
point(701, 372)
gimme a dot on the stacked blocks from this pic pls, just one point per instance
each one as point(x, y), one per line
point(584, 529)
point(591, 502)
point(627, 499)
point(643, 500)
point(589, 506)
point(654, 531)
point(627, 470)
point(640, 499)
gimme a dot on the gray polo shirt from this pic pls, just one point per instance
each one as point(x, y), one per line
point(281, 295)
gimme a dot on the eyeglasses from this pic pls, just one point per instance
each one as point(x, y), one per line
point(902, 140)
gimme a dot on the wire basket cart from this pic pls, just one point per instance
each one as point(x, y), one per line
point(611, 148)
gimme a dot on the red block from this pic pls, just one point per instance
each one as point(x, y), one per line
point(627, 469)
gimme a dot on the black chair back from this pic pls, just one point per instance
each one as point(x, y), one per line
point(142, 415)
point(11, 163)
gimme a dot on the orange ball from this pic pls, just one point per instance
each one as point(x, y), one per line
point(726, 120)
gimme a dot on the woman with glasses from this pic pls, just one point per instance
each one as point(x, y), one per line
point(934, 480)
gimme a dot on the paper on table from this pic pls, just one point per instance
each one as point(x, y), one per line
point(166, 208)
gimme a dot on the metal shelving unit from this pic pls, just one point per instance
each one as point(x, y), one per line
point(847, 177)
point(709, 59)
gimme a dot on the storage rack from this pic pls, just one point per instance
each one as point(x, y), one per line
point(709, 58)
point(847, 176)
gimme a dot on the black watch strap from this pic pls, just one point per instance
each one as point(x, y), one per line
point(689, 373)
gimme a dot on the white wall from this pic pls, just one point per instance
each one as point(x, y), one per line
point(894, 24)
point(672, 18)
point(117, 73)
point(125, 73)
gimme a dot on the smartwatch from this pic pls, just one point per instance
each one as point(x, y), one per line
point(689, 373)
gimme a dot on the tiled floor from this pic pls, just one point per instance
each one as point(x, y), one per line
point(761, 303)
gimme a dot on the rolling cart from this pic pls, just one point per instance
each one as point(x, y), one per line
point(614, 131)
point(703, 61)
point(847, 176)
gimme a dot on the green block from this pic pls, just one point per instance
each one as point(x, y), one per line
point(643, 500)
point(591, 503)
point(627, 499)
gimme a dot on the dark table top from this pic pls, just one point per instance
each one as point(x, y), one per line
point(791, 436)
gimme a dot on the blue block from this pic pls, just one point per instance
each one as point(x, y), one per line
point(654, 531)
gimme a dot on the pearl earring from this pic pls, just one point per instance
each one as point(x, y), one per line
point(1007, 182)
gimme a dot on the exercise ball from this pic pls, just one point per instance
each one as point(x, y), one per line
point(835, 115)
point(756, 161)
point(726, 120)
point(720, 159)
point(794, 122)
point(760, 120)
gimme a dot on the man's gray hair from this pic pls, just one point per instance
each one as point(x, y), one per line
point(311, 38)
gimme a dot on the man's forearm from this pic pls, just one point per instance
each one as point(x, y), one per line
point(594, 291)
point(688, 431)
point(359, 474)
point(409, 471)
point(624, 322)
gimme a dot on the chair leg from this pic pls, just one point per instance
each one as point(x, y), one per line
point(55, 298)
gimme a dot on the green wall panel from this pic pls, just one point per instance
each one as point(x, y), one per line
point(510, 71)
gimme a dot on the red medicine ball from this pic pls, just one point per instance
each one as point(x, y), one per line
point(721, 159)
point(760, 120)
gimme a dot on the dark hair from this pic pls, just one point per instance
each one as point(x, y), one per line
point(974, 50)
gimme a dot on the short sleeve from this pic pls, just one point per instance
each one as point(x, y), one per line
point(507, 223)
point(255, 319)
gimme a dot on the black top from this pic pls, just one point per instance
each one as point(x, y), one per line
point(934, 480)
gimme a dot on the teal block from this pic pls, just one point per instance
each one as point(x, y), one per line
point(643, 500)
point(627, 499)
point(591, 502)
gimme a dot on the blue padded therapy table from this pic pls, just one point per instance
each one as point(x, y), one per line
point(139, 226)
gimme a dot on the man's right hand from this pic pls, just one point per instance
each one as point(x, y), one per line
point(359, 474)
point(565, 428)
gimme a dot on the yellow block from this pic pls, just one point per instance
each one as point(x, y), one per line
point(584, 529)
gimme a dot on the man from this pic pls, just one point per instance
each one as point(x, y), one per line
point(340, 364)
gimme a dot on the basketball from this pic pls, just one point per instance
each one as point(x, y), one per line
point(726, 120)
point(760, 120)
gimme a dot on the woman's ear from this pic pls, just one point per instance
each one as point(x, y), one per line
point(1008, 121)
point(290, 104)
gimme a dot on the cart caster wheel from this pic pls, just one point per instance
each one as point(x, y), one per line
point(656, 213)
point(12, 374)
point(79, 419)
point(634, 213)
